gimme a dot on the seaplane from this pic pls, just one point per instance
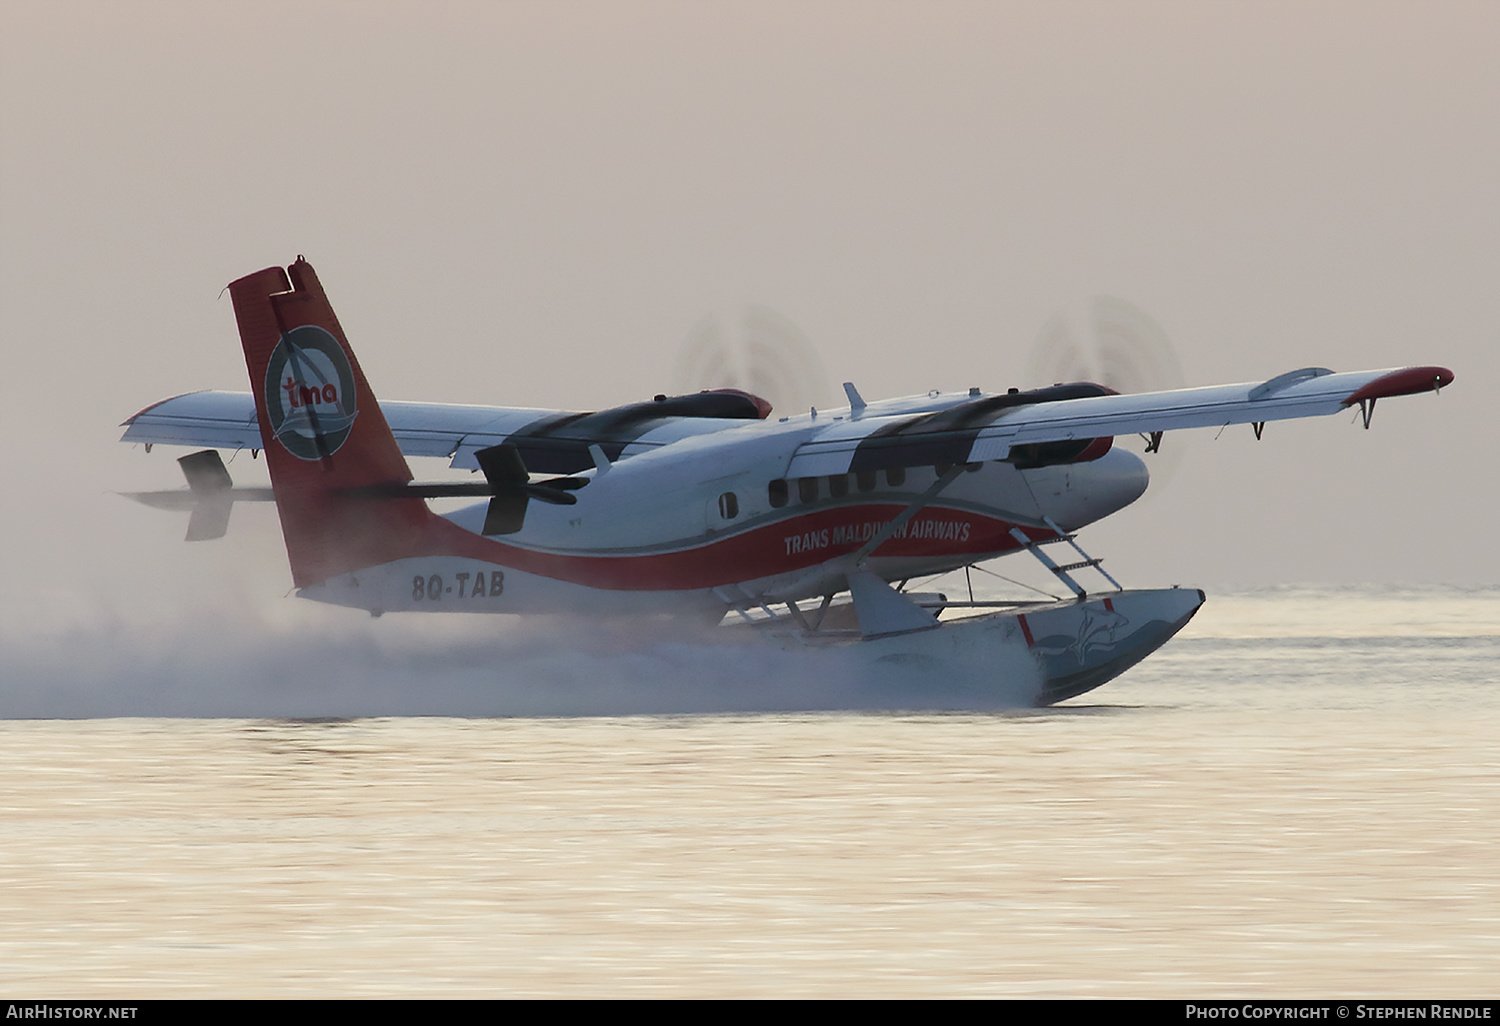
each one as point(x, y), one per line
point(804, 528)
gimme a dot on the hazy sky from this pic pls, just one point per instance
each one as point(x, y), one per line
point(533, 204)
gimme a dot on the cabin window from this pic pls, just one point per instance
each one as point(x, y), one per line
point(895, 477)
point(807, 489)
point(838, 485)
point(778, 493)
point(865, 479)
point(729, 506)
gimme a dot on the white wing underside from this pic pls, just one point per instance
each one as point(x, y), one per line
point(226, 420)
point(1312, 392)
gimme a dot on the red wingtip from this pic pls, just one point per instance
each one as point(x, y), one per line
point(140, 413)
point(1407, 381)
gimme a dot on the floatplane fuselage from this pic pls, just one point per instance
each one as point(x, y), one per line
point(702, 505)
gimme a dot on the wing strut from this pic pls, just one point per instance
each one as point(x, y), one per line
point(881, 609)
point(945, 479)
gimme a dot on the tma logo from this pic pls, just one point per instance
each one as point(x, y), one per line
point(310, 397)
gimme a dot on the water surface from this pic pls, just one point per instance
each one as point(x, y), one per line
point(1297, 797)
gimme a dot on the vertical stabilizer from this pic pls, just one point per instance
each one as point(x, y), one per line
point(324, 432)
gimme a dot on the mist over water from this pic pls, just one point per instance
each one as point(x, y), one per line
point(293, 659)
point(342, 665)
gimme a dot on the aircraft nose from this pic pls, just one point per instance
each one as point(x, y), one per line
point(1075, 494)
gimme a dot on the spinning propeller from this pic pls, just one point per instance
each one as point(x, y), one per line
point(756, 350)
point(1110, 341)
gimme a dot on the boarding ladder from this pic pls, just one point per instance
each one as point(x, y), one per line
point(1061, 570)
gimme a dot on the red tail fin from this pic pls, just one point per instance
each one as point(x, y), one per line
point(324, 432)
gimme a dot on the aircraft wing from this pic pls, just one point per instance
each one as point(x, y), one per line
point(989, 427)
point(549, 441)
point(226, 420)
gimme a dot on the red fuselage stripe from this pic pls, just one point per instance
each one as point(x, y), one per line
point(799, 541)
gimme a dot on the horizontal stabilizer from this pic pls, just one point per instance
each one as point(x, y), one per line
point(210, 496)
point(180, 501)
point(505, 472)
